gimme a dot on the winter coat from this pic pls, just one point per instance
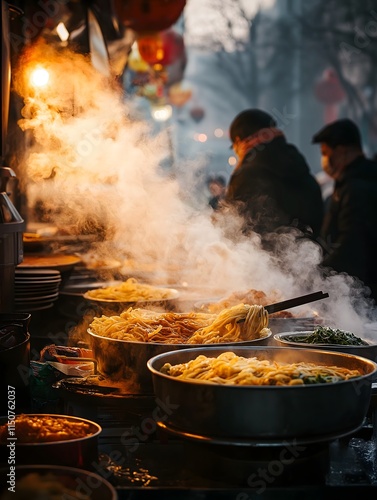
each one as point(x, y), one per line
point(349, 229)
point(272, 188)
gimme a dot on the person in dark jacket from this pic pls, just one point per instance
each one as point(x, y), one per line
point(349, 231)
point(271, 186)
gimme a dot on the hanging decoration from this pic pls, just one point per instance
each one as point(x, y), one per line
point(329, 91)
point(158, 76)
point(148, 15)
point(178, 95)
point(163, 47)
point(328, 88)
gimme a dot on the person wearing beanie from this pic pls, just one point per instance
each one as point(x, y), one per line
point(271, 187)
point(349, 231)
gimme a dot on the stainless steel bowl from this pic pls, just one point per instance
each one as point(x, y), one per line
point(264, 412)
point(366, 351)
point(126, 361)
point(79, 452)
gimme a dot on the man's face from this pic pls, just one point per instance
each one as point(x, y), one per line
point(332, 160)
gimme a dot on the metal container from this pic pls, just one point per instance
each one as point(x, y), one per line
point(11, 248)
point(80, 452)
point(127, 361)
point(365, 351)
point(265, 412)
point(48, 480)
point(15, 361)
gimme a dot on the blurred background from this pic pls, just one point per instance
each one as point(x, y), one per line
point(187, 67)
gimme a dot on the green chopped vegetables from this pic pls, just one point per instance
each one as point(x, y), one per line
point(327, 335)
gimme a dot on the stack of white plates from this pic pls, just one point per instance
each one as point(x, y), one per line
point(36, 289)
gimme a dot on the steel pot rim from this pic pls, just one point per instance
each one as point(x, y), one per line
point(156, 373)
point(244, 343)
point(58, 442)
point(281, 337)
point(20, 344)
point(71, 471)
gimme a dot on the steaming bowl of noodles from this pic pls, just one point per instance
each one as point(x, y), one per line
point(130, 292)
point(263, 394)
point(123, 344)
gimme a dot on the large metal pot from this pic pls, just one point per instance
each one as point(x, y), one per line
point(265, 412)
point(126, 361)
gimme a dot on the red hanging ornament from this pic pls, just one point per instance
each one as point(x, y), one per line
point(163, 47)
point(148, 15)
point(328, 89)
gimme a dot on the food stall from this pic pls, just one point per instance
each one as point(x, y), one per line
point(153, 436)
point(102, 351)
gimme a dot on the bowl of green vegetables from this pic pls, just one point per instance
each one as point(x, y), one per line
point(331, 339)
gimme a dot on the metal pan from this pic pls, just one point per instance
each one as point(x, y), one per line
point(265, 412)
point(126, 361)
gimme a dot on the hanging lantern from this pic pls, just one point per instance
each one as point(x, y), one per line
point(197, 114)
point(178, 96)
point(163, 47)
point(328, 89)
point(148, 15)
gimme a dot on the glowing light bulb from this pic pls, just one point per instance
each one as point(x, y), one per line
point(39, 77)
point(161, 113)
point(232, 160)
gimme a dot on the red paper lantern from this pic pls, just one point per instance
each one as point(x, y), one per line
point(328, 89)
point(148, 15)
point(163, 47)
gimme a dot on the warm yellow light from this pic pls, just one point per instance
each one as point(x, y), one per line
point(200, 137)
point(232, 160)
point(39, 77)
point(62, 32)
point(161, 113)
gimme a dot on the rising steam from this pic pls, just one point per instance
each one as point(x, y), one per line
point(94, 169)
